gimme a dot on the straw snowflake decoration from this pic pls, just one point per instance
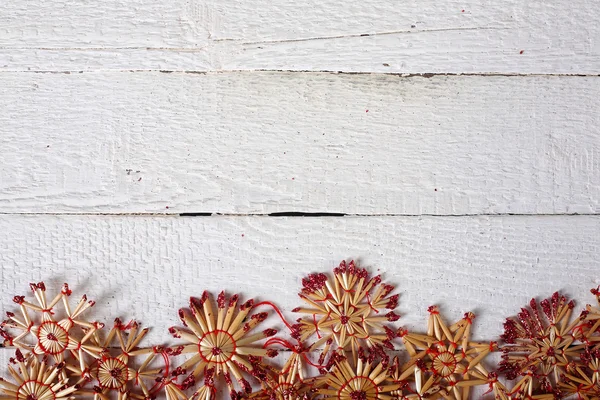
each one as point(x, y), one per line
point(43, 333)
point(60, 355)
point(540, 344)
point(348, 311)
point(221, 343)
point(35, 380)
point(287, 383)
point(123, 369)
point(583, 378)
point(366, 380)
point(445, 359)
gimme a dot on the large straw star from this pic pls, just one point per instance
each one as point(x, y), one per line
point(221, 343)
point(540, 343)
point(348, 311)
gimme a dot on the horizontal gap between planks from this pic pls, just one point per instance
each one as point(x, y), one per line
point(398, 74)
point(293, 214)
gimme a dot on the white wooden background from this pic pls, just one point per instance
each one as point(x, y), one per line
point(460, 139)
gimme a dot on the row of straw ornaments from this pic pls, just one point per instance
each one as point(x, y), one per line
point(338, 349)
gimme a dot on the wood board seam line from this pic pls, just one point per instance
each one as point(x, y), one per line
point(230, 71)
point(291, 214)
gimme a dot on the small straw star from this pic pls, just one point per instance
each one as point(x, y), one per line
point(348, 311)
point(445, 360)
point(114, 372)
point(45, 335)
point(221, 344)
point(364, 379)
point(35, 380)
point(287, 383)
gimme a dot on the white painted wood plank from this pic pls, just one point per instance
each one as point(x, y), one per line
point(410, 36)
point(416, 36)
point(100, 24)
point(272, 142)
point(469, 50)
point(147, 267)
point(122, 59)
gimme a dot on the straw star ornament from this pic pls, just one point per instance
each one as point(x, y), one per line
point(445, 360)
point(348, 311)
point(366, 380)
point(583, 378)
point(124, 369)
point(288, 382)
point(221, 343)
point(540, 343)
point(41, 333)
point(35, 380)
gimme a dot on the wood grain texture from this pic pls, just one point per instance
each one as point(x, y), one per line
point(272, 142)
point(147, 267)
point(367, 35)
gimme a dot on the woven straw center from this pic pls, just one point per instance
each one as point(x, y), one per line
point(217, 347)
point(444, 364)
point(52, 338)
point(359, 388)
point(112, 373)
